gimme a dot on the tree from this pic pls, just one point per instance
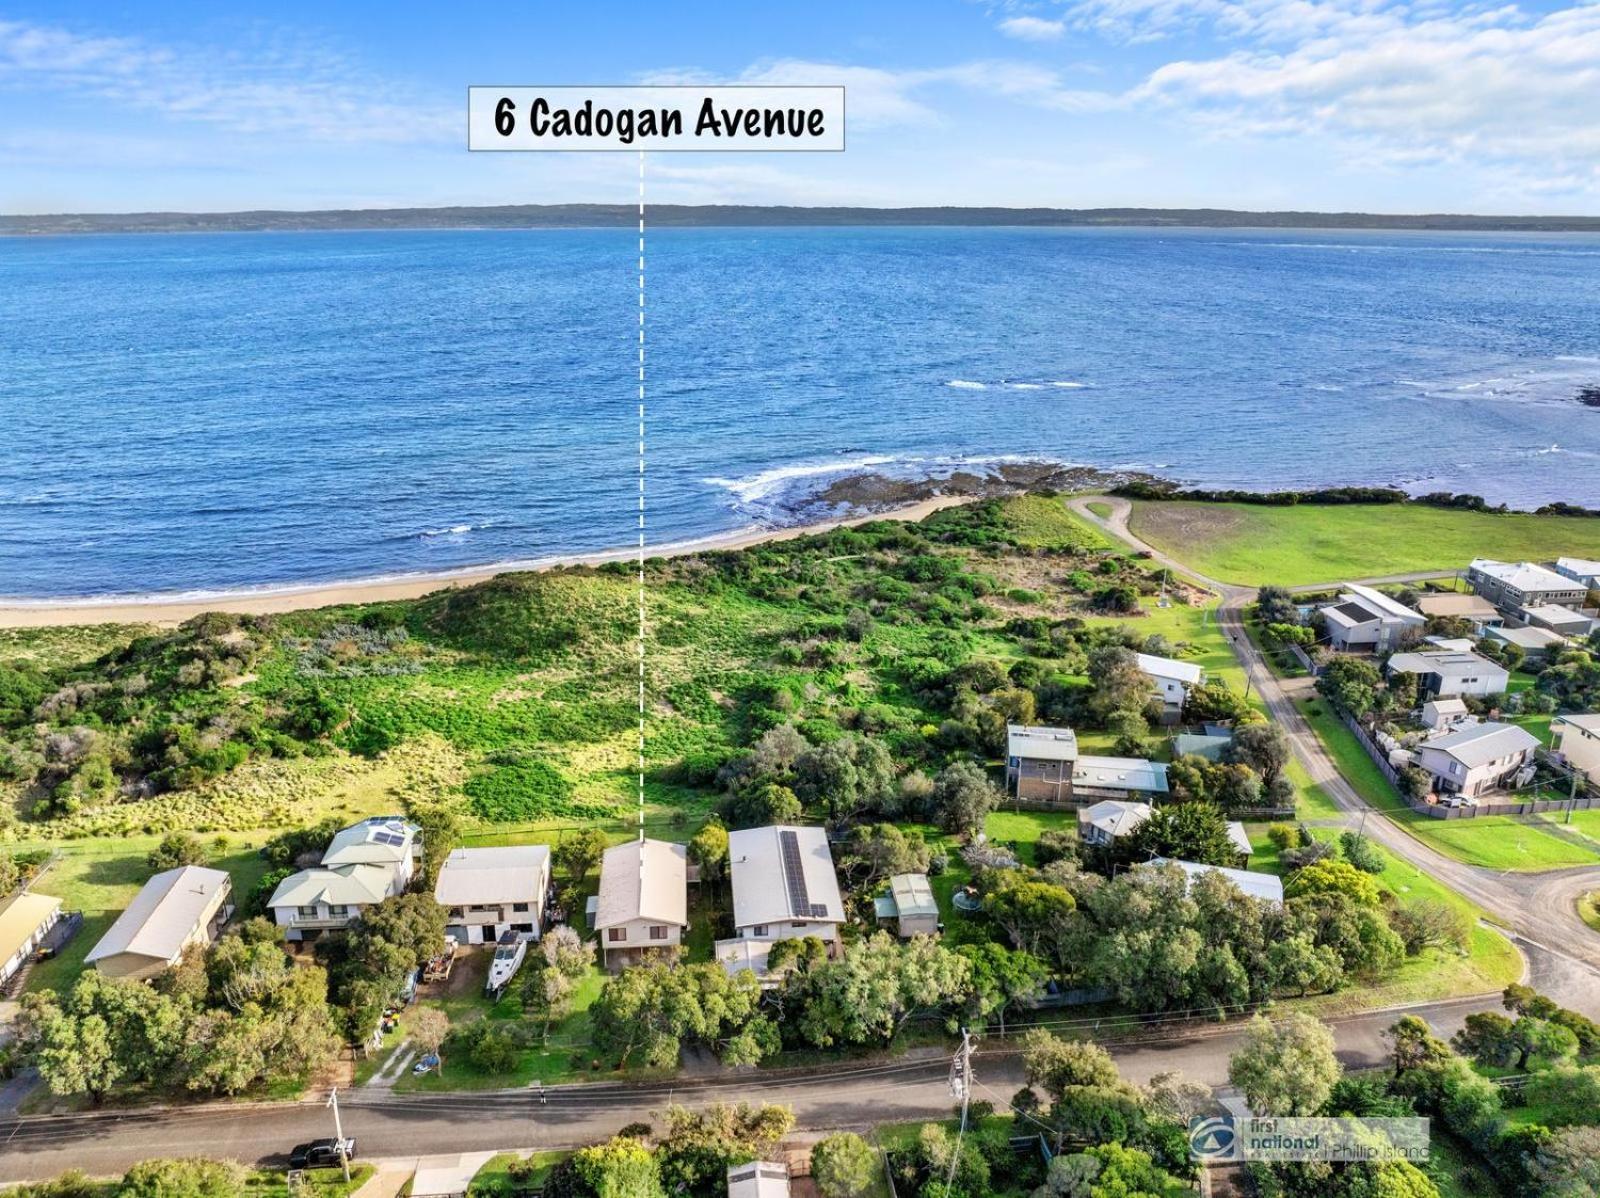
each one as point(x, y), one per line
point(187, 1177)
point(620, 1168)
point(1429, 923)
point(1000, 979)
point(709, 850)
point(962, 797)
point(1263, 747)
point(1187, 831)
point(1334, 877)
point(494, 1048)
point(846, 777)
point(767, 803)
point(697, 1147)
point(176, 849)
point(1360, 852)
point(1215, 701)
point(1351, 683)
point(1568, 1164)
point(105, 1032)
point(440, 825)
point(579, 852)
point(878, 851)
point(427, 1027)
point(1035, 914)
point(652, 1011)
point(561, 960)
point(1276, 605)
point(1415, 1045)
point(1118, 682)
point(872, 988)
point(844, 1165)
point(1286, 1068)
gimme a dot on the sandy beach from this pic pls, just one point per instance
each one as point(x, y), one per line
point(168, 612)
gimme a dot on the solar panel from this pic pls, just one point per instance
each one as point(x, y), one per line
point(793, 873)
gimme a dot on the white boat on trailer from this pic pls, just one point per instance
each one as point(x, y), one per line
point(509, 953)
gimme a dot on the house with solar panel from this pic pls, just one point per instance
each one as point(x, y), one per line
point(1365, 620)
point(363, 865)
point(784, 888)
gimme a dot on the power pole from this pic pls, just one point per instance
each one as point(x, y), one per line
point(338, 1132)
point(960, 1087)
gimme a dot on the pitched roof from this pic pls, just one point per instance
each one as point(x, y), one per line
point(912, 895)
point(1580, 568)
point(1523, 576)
point(1185, 672)
point(164, 914)
point(1384, 605)
point(1535, 639)
point(1483, 743)
point(337, 886)
point(381, 840)
point(1349, 612)
point(643, 879)
point(1115, 817)
point(1589, 721)
point(499, 874)
point(1447, 663)
point(1256, 885)
point(782, 872)
point(1040, 743)
point(1240, 838)
point(1121, 773)
point(20, 917)
point(1209, 747)
point(1446, 706)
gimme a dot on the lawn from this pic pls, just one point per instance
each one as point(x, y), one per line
point(1046, 521)
point(1589, 909)
point(101, 881)
point(1296, 546)
point(495, 1178)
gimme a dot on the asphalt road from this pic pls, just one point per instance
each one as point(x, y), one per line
point(387, 1125)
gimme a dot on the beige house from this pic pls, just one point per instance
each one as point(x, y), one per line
point(172, 911)
point(1577, 739)
point(643, 904)
point(487, 892)
point(25, 920)
point(1475, 609)
point(759, 1179)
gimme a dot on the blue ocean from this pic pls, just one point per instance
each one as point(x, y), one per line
point(203, 413)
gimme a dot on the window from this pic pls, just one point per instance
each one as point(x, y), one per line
point(658, 931)
point(338, 910)
point(616, 934)
point(306, 912)
point(519, 906)
point(799, 923)
point(759, 930)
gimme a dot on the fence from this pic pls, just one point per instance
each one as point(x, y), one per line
point(1510, 806)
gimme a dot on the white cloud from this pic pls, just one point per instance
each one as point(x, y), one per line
point(278, 85)
point(1032, 29)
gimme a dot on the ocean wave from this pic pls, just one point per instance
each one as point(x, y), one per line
point(752, 487)
point(1017, 384)
point(967, 385)
point(454, 530)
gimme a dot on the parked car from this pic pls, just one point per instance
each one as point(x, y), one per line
point(321, 1154)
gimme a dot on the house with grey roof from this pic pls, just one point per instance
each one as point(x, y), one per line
point(1535, 643)
point(1580, 569)
point(784, 887)
point(1563, 621)
point(1171, 681)
point(1512, 586)
point(1044, 764)
point(1212, 748)
point(643, 904)
point(910, 905)
point(1365, 620)
point(1449, 674)
point(1438, 714)
point(487, 892)
point(1104, 823)
point(174, 911)
point(363, 865)
point(1474, 760)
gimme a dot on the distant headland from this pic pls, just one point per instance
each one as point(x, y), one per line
point(567, 216)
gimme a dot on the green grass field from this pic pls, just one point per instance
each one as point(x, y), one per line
point(1254, 545)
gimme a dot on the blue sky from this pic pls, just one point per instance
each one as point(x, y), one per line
point(1324, 104)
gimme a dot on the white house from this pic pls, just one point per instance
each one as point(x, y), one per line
point(174, 910)
point(1173, 680)
point(1267, 887)
point(1581, 569)
point(1443, 673)
point(1577, 739)
point(784, 885)
point(1106, 822)
point(1365, 620)
point(643, 904)
point(1512, 586)
point(1442, 713)
point(25, 920)
point(910, 904)
point(758, 1179)
point(487, 892)
point(363, 865)
point(1477, 759)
